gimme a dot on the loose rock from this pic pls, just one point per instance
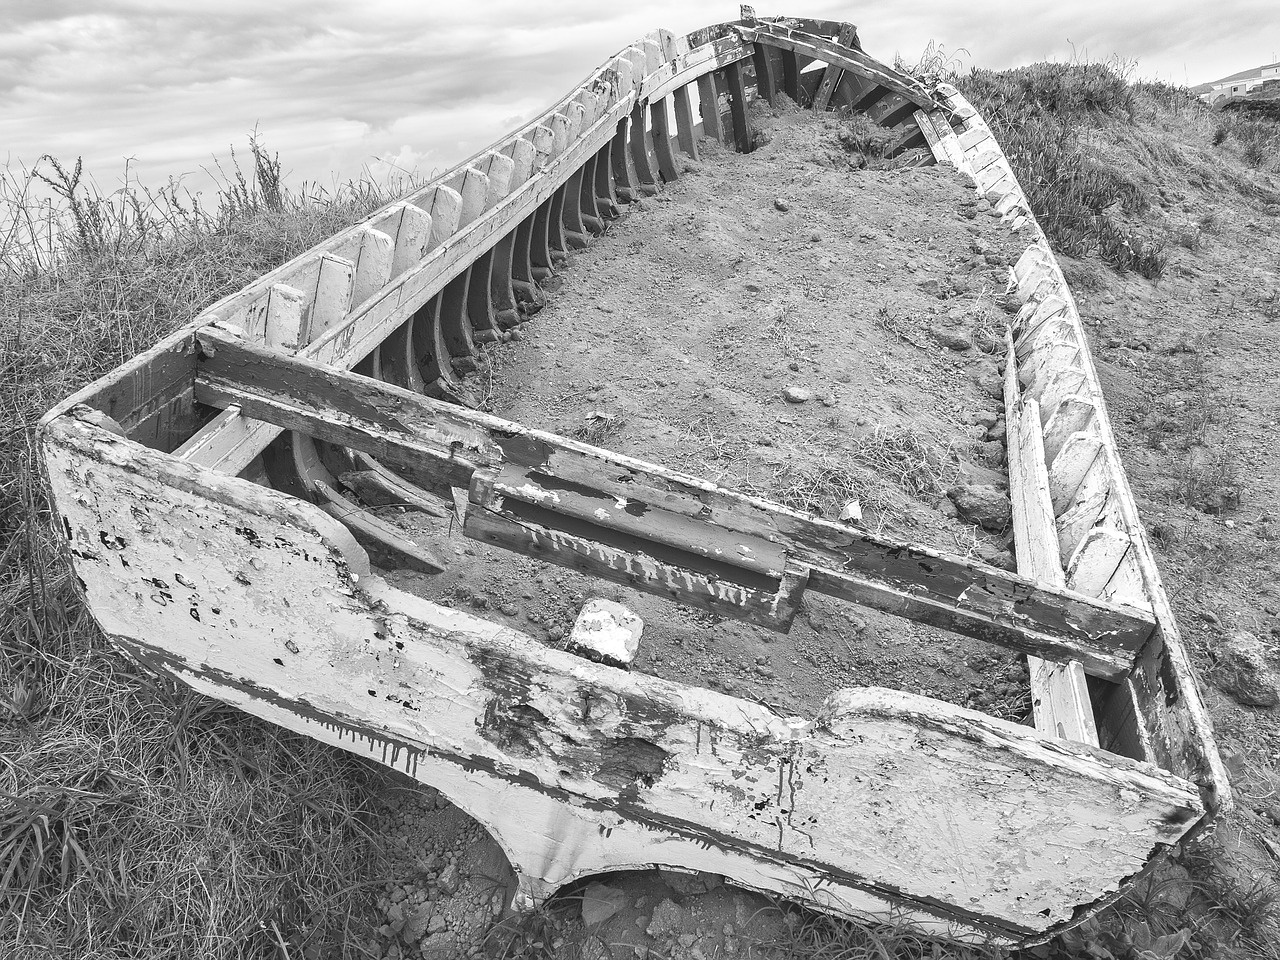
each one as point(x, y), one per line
point(796, 394)
point(953, 338)
point(982, 504)
point(1244, 673)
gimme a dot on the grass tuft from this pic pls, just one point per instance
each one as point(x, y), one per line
point(136, 817)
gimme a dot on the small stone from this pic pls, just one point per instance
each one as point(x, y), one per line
point(932, 287)
point(606, 631)
point(416, 923)
point(953, 338)
point(448, 879)
point(793, 367)
point(1243, 673)
point(990, 554)
point(796, 394)
point(508, 610)
point(781, 205)
point(668, 918)
point(997, 431)
point(982, 504)
point(983, 418)
point(555, 633)
point(515, 334)
point(992, 451)
point(982, 206)
point(600, 902)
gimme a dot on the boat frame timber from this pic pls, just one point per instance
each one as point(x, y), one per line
point(216, 537)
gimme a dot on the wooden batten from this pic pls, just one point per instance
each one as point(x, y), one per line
point(375, 259)
point(1059, 691)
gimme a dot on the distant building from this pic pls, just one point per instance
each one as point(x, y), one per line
point(1238, 84)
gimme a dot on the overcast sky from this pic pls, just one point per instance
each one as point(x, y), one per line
point(338, 86)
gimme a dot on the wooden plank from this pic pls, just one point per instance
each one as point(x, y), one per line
point(766, 79)
point(445, 208)
point(294, 466)
point(774, 608)
point(1074, 415)
point(831, 76)
point(791, 76)
point(890, 109)
point(231, 443)
point(606, 194)
point(416, 433)
point(1069, 467)
point(1060, 701)
point(661, 130)
point(847, 58)
point(1087, 506)
point(329, 300)
point(1096, 560)
point(606, 768)
point(742, 138)
point(685, 129)
point(410, 226)
point(625, 179)
point(709, 107)
point(637, 141)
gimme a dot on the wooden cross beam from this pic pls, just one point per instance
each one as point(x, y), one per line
point(658, 530)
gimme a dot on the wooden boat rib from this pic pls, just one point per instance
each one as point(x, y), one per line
point(211, 532)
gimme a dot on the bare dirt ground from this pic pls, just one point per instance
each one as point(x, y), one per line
point(874, 297)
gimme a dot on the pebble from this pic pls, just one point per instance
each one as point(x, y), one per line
point(796, 394)
point(982, 504)
point(781, 205)
point(1243, 673)
point(952, 338)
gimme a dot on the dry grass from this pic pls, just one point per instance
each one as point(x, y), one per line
point(137, 818)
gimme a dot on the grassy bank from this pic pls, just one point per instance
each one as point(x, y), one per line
point(137, 818)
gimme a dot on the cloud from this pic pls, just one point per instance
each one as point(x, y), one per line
point(335, 87)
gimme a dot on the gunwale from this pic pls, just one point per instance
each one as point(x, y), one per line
point(154, 382)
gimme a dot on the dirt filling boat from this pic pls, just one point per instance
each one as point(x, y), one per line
point(217, 495)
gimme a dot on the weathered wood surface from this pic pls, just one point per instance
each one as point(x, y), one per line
point(1160, 698)
point(886, 805)
point(831, 75)
point(1060, 701)
point(417, 433)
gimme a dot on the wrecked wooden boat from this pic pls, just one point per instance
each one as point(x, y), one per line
point(216, 491)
